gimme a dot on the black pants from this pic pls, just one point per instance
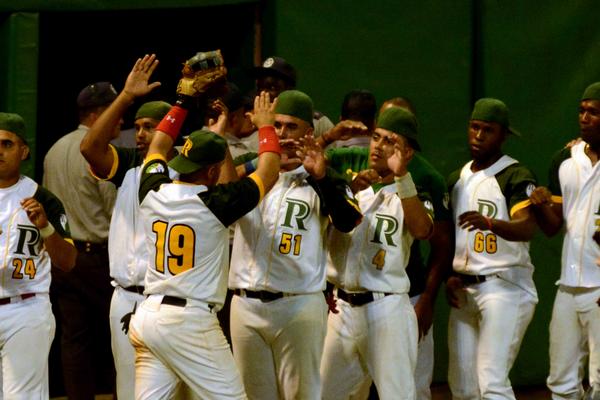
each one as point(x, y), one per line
point(83, 298)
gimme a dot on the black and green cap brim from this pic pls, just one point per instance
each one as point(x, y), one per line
point(402, 122)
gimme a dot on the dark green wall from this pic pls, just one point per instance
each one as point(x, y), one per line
point(444, 55)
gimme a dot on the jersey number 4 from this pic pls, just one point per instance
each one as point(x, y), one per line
point(177, 243)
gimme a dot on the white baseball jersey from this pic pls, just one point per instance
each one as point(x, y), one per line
point(186, 233)
point(279, 246)
point(496, 192)
point(372, 257)
point(576, 183)
point(127, 250)
point(24, 262)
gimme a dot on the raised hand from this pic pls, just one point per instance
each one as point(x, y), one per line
point(344, 130)
point(264, 111)
point(398, 162)
point(137, 84)
point(218, 125)
point(312, 157)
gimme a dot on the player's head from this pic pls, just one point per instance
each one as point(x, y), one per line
point(488, 128)
point(359, 105)
point(394, 125)
point(201, 158)
point(238, 105)
point(274, 76)
point(145, 121)
point(401, 102)
point(93, 100)
point(293, 115)
point(13, 145)
point(589, 115)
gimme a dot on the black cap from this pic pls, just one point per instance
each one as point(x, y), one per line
point(277, 66)
point(234, 99)
point(96, 95)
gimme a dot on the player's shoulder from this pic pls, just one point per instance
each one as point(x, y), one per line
point(561, 156)
point(516, 172)
point(453, 177)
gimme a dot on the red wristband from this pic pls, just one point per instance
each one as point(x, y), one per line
point(172, 122)
point(268, 140)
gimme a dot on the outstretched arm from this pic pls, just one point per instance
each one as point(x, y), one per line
point(95, 145)
point(548, 214)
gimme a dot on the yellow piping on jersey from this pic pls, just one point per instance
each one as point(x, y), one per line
point(113, 168)
point(261, 186)
point(519, 206)
point(557, 199)
point(8, 230)
point(155, 156)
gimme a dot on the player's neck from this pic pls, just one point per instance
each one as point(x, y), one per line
point(592, 152)
point(481, 164)
point(8, 182)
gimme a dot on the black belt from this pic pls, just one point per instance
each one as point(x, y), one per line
point(135, 289)
point(474, 279)
point(263, 295)
point(23, 296)
point(174, 301)
point(90, 247)
point(357, 299)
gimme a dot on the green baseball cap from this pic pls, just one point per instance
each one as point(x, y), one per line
point(153, 109)
point(13, 123)
point(296, 104)
point(492, 110)
point(401, 122)
point(201, 149)
point(592, 92)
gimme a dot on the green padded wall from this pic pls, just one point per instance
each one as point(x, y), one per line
point(18, 73)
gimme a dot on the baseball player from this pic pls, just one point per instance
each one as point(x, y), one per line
point(278, 312)
point(424, 280)
point(573, 196)
point(491, 291)
point(375, 332)
point(175, 331)
point(126, 242)
point(33, 234)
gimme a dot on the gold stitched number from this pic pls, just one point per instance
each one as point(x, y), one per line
point(285, 245)
point(30, 268)
point(379, 259)
point(181, 247)
point(488, 242)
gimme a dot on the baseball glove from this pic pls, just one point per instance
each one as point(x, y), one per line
point(201, 72)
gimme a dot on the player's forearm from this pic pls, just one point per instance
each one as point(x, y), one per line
point(343, 211)
point(228, 171)
point(268, 169)
point(440, 257)
point(62, 253)
point(549, 218)
point(416, 218)
point(519, 229)
point(94, 146)
point(161, 144)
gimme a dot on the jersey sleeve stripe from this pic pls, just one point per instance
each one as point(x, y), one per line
point(152, 157)
point(259, 183)
point(519, 206)
point(113, 168)
point(557, 199)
